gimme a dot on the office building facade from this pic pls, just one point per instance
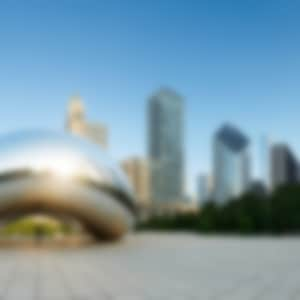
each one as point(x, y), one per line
point(166, 146)
point(137, 170)
point(284, 166)
point(231, 163)
point(204, 188)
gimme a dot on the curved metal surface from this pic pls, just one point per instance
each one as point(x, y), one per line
point(60, 173)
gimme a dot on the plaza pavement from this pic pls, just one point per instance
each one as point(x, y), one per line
point(156, 266)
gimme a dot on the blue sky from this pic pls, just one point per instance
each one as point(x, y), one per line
point(231, 60)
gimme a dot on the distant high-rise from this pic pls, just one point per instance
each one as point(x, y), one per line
point(77, 123)
point(231, 163)
point(166, 146)
point(265, 162)
point(76, 116)
point(97, 133)
point(284, 166)
point(205, 187)
point(137, 170)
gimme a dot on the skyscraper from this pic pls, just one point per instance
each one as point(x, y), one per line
point(166, 146)
point(76, 116)
point(78, 124)
point(137, 170)
point(284, 166)
point(265, 161)
point(205, 187)
point(231, 163)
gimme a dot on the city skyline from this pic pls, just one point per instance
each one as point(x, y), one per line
point(193, 193)
point(223, 72)
point(149, 149)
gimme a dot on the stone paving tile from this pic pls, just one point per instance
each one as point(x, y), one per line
point(156, 267)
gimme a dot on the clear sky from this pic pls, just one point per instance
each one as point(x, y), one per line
point(231, 60)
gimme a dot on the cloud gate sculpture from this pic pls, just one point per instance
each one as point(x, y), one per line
point(62, 174)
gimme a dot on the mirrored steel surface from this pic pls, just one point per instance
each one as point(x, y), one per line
point(60, 173)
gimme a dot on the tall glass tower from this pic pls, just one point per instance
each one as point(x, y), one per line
point(166, 146)
point(231, 163)
point(284, 166)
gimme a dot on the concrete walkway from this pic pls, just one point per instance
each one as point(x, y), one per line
point(156, 266)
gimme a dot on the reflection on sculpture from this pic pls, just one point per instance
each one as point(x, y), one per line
point(58, 173)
